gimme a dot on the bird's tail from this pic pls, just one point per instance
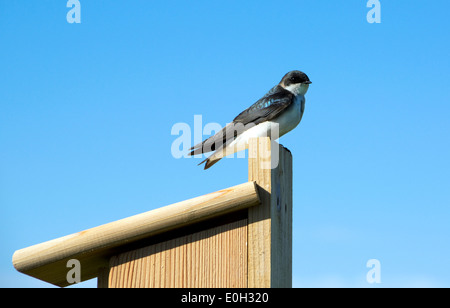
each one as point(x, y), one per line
point(210, 161)
point(215, 157)
point(223, 151)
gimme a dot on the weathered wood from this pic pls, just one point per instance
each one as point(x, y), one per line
point(216, 258)
point(270, 223)
point(93, 247)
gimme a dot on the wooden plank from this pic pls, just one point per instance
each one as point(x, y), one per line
point(93, 247)
point(190, 254)
point(270, 223)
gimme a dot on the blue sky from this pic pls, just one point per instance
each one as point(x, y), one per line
point(87, 111)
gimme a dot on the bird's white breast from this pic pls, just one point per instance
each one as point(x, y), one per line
point(290, 118)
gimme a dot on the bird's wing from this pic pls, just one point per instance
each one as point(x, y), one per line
point(265, 109)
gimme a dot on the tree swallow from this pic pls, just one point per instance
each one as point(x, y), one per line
point(280, 110)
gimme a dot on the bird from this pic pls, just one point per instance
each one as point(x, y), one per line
point(280, 110)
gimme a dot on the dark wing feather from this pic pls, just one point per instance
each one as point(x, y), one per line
point(265, 109)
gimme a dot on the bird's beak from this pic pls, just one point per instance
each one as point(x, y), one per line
point(307, 82)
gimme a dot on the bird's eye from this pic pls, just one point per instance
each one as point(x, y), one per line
point(292, 78)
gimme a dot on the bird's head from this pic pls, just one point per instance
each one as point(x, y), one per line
point(296, 82)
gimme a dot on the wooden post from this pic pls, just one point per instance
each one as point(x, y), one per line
point(236, 237)
point(270, 223)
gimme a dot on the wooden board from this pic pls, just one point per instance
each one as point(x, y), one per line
point(93, 247)
point(214, 258)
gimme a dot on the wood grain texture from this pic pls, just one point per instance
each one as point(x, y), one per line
point(270, 223)
point(214, 258)
point(93, 247)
